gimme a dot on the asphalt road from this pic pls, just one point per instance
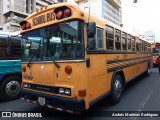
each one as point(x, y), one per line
point(141, 94)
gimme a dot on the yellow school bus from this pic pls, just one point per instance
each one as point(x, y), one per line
point(72, 59)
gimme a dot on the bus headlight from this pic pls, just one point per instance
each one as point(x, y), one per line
point(26, 85)
point(67, 91)
point(61, 91)
point(64, 91)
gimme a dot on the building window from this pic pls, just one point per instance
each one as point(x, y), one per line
point(118, 40)
point(110, 37)
point(99, 38)
point(124, 41)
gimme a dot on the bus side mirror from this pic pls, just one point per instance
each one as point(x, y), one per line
point(91, 42)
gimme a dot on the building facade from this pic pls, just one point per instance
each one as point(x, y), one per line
point(14, 11)
point(107, 9)
point(150, 36)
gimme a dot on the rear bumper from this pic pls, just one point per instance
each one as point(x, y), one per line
point(61, 103)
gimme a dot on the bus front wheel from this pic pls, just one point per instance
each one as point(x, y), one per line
point(116, 89)
point(10, 88)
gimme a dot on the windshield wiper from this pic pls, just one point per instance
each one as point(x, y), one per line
point(29, 64)
point(56, 64)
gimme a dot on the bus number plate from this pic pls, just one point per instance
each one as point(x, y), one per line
point(41, 100)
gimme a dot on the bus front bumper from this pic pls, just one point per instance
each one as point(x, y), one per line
point(55, 102)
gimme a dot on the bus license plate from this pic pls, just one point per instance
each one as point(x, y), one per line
point(41, 100)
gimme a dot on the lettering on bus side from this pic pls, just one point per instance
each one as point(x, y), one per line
point(50, 16)
point(43, 18)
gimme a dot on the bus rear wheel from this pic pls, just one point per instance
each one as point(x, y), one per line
point(10, 88)
point(116, 89)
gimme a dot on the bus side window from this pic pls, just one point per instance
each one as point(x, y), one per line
point(124, 41)
point(3, 49)
point(148, 47)
point(141, 45)
point(118, 40)
point(133, 43)
point(129, 42)
point(109, 38)
point(138, 45)
point(16, 45)
point(99, 38)
point(145, 46)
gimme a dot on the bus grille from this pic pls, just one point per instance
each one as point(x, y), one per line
point(44, 88)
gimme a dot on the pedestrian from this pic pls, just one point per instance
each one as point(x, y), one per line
point(158, 62)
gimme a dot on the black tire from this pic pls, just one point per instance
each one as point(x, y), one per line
point(10, 88)
point(116, 89)
point(148, 71)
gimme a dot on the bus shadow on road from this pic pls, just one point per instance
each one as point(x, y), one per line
point(131, 84)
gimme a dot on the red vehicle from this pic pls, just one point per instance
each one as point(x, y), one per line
point(154, 59)
point(156, 53)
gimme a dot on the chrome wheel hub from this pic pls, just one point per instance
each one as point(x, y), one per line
point(118, 88)
point(13, 88)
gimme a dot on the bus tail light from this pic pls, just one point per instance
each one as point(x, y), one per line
point(25, 25)
point(23, 68)
point(62, 12)
point(67, 12)
point(28, 25)
point(82, 93)
point(59, 15)
point(68, 69)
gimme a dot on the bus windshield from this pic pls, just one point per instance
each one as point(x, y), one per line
point(59, 41)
